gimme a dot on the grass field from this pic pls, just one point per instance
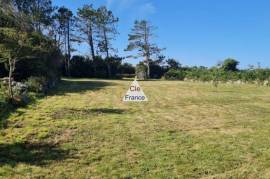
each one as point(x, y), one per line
point(189, 130)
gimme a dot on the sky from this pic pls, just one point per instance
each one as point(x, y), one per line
point(194, 32)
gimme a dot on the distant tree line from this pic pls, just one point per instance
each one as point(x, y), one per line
point(83, 67)
point(227, 71)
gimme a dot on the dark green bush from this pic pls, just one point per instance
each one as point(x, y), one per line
point(83, 67)
point(174, 74)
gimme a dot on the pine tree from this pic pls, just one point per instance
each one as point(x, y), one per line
point(87, 19)
point(140, 40)
point(106, 23)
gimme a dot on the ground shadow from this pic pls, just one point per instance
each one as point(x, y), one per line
point(73, 113)
point(9, 108)
point(78, 86)
point(31, 153)
point(107, 110)
point(4, 114)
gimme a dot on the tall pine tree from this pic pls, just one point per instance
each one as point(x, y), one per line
point(140, 39)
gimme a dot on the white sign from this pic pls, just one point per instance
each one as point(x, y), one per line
point(135, 93)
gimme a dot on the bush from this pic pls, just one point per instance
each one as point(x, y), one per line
point(156, 71)
point(230, 64)
point(141, 71)
point(173, 74)
point(127, 69)
point(37, 84)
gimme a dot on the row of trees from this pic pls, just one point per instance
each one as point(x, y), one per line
point(82, 66)
point(96, 27)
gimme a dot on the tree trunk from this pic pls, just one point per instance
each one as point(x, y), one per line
point(148, 67)
point(107, 53)
point(147, 50)
point(38, 18)
point(10, 90)
point(91, 41)
point(68, 48)
point(65, 51)
point(106, 43)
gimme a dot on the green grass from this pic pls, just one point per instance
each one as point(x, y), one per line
point(186, 130)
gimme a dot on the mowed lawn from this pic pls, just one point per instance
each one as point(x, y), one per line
point(186, 130)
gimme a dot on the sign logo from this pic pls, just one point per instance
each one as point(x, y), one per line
point(135, 93)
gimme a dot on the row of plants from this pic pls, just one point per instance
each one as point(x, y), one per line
point(217, 74)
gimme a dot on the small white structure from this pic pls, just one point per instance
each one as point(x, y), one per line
point(135, 93)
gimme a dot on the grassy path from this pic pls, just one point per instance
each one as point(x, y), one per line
point(186, 129)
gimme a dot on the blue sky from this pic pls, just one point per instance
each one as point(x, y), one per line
point(195, 32)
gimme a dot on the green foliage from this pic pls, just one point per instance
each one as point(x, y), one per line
point(34, 54)
point(39, 11)
point(157, 68)
point(174, 74)
point(87, 25)
point(259, 76)
point(36, 84)
point(201, 74)
point(127, 69)
point(14, 44)
point(6, 20)
point(106, 26)
point(84, 67)
point(230, 64)
point(173, 64)
point(141, 71)
point(140, 40)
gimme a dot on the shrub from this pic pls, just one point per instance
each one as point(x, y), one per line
point(37, 84)
point(127, 68)
point(230, 64)
point(141, 71)
point(173, 74)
